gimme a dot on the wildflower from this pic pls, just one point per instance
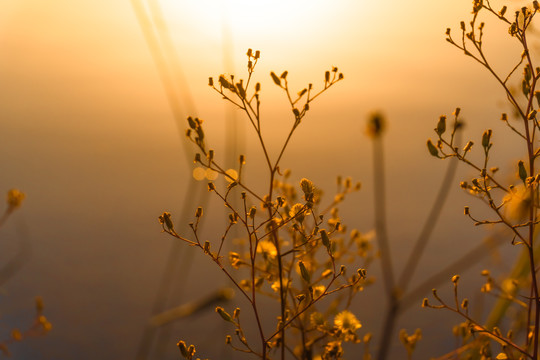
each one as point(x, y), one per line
point(518, 203)
point(15, 198)
point(347, 322)
point(165, 220)
point(296, 211)
point(317, 319)
point(267, 248)
point(235, 260)
point(307, 187)
point(276, 286)
point(318, 290)
point(376, 125)
point(333, 350)
point(409, 341)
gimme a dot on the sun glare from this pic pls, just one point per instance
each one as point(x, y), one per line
point(246, 17)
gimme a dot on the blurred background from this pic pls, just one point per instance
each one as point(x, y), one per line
point(88, 131)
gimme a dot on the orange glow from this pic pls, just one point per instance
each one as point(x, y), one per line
point(249, 18)
point(88, 132)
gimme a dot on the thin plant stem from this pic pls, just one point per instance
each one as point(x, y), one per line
point(380, 216)
point(432, 219)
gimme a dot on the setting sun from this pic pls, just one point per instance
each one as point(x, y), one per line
point(245, 17)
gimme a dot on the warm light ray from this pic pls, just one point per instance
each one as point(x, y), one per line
point(248, 17)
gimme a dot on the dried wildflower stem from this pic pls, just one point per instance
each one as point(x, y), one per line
point(475, 326)
point(282, 215)
point(382, 238)
point(5, 216)
point(380, 215)
point(466, 261)
point(216, 259)
point(432, 219)
point(524, 230)
point(312, 302)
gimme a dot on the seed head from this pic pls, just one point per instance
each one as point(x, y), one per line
point(376, 125)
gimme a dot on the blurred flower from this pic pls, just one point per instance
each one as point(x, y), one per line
point(267, 248)
point(318, 290)
point(518, 203)
point(347, 322)
point(15, 198)
point(376, 125)
point(275, 286)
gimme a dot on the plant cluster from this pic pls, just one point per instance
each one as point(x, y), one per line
point(293, 250)
point(40, 325)
point(514, 205)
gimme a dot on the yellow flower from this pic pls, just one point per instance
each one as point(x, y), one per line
point(275, 285)
point(297, 208)
point(15, 198)
point(318, 290)
point(518, 203)
point(347, 322)
point(235, 260)
point(317, 319)
point(267, 248)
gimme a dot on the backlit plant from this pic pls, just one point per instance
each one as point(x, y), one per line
point(514, 205)
point(41, 325)
point(293, 250)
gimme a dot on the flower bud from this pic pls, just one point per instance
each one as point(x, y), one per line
point(165, 219)
point(522, 171)
point(432, 149)
point(486, 138)
point(183, 349)
point(277, 80)
point(441, 126)
point(304, 272)
point(325, 239)
point(252, 212)
point(224, 315)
